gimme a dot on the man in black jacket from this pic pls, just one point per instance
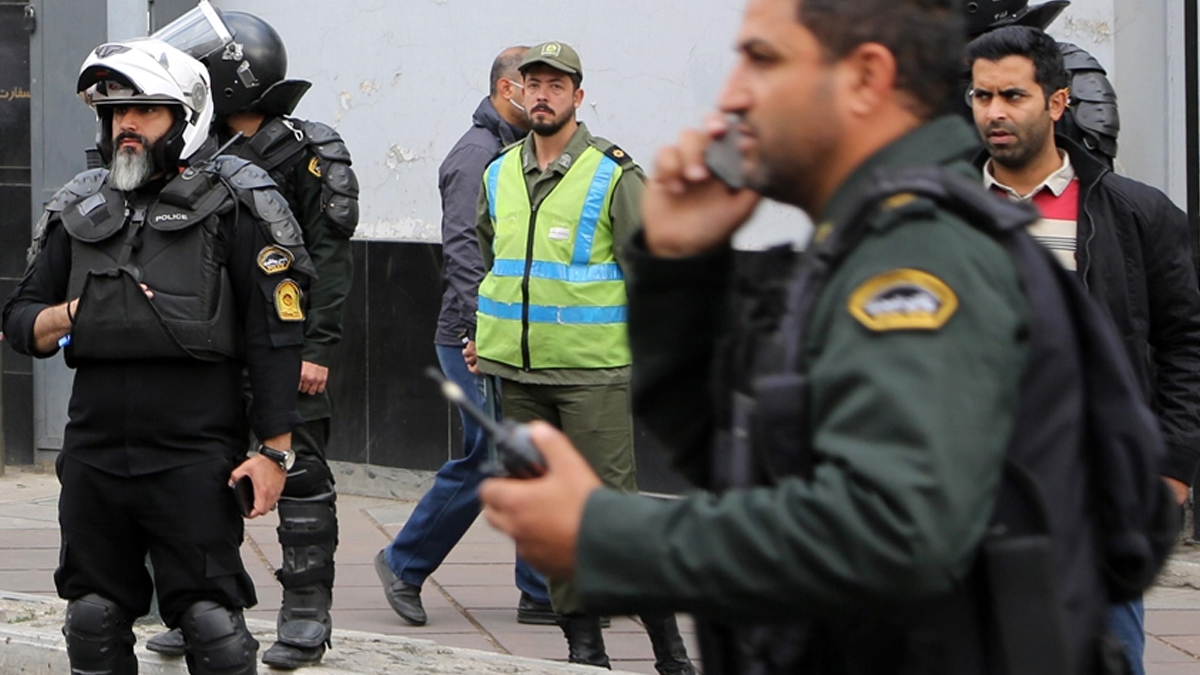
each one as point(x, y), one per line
point(451, 505)
point(1128, 243)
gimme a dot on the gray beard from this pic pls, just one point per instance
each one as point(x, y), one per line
point(130, 170)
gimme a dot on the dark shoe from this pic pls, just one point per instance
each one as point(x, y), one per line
point(670, 655)
point(404, 598)
point(291, 657)
point(169, 643)
point(534, 613)
point(585, 642)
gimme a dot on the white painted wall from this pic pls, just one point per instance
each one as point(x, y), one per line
point(400, 79)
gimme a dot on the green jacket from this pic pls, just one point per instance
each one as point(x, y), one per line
point(624, 214)
point(908, 421)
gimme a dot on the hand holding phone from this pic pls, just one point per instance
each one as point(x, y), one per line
point(724, 159)
point(516, 455)
point(243, 492)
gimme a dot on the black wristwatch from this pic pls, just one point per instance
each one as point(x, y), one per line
point(284, 458)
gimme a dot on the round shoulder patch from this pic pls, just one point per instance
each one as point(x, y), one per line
point(903, 299)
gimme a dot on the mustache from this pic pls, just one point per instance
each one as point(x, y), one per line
point(541, 107)
point(1000, 126)
point(130, 136)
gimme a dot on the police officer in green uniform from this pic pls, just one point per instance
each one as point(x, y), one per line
point(553, 213)
point(853, 438)
point(247, 61)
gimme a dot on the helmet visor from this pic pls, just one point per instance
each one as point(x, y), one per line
point(198, 33)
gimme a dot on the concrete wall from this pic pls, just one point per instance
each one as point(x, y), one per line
point(400, 80)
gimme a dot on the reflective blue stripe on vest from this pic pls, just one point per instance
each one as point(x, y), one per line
point(493, 180)
point(558, 271)
point(585, 235)
point(547, 314)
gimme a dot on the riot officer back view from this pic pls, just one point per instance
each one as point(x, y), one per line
point(1091, 118)
point(247, 61)
point(144, 275)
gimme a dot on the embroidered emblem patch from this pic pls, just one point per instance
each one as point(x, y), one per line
point(287, 301)
point(903, 299)
point(274, 259)
point(314, 167)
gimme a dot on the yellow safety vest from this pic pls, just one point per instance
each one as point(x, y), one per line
point(555, 296)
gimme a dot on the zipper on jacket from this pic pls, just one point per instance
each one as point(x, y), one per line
point(1087, 244)
point(525, 363)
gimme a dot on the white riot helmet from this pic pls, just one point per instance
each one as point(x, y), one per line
point(145, 70)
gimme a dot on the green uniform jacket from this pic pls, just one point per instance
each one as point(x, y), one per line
point(908, 427)
point(624, 213)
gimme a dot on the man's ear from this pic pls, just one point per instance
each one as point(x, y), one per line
point(1058, 103)
point(870, 77)
point(578, 98)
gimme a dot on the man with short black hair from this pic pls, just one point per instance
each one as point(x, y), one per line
point(851, 413)
point(1125, 240)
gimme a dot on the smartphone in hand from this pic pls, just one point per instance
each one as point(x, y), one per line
point(243, 492)
point(724, 159)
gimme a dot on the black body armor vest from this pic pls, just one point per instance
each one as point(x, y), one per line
point(167, 241)
point(1034, 602)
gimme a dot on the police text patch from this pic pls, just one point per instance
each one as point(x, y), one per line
point(903, 299)
point(274, 259)
point(287, 301)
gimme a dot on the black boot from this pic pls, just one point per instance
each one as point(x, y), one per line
point(670, 655)
point(308, 532)
point(585, 642)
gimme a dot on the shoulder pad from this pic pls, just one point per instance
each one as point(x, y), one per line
point(39, 237)
point(952, 192)
point(325, 142)
point(271, 212)
point(1092, 86)
point(274, 144)
point(614, 153)
point(902, 206)
point(242, 174)
point(78, 188)
point(94, 216)
point(1075, 58)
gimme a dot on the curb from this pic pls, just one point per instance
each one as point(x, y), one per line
point(31, 642)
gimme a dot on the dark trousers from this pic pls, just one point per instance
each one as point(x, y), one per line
point(451, 505)
point(185, 518)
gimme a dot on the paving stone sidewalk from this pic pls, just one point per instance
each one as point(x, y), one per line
point(471, 599)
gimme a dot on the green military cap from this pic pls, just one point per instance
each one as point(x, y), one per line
point(557, 55)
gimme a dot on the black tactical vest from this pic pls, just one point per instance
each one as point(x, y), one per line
point(1035, 601)
point(166, 241)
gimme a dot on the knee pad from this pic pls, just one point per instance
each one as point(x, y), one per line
point(309, 480)
point(218, 642)
point(99, 637)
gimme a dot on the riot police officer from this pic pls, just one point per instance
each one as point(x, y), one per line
point(145, 276)
point(247, 60)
